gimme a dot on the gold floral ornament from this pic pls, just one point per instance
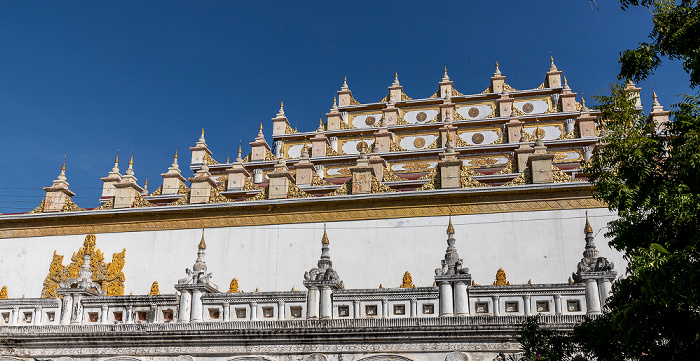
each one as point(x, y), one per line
point(109, 276)
point(407, 281)
point(155, 290)
point(3, 293)
point(233, 288)
point(501, 278)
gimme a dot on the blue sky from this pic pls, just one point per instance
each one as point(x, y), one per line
point(86, 78)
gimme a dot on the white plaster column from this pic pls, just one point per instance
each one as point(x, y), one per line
point(326, 303)
point(356, 308)
point(15, 316)
point(414, 308)
point(592, 296)
point(334, 143)
point(526, 305)
point(196, 314)
point(461, 302)
point(227, 311)
point(77, 317)
point(385, 308)
point(557, 304)
point(253, 311)
point(257, 176)
point(36, 319)
point(319, 170)
point(278, 148)
point(129, 314)
point(280, 310)
point(104, 314)
point(496, 305)
point(185, 308)
point(67, 309)
point(312, 302)
point(446, 307)
point(605, 288)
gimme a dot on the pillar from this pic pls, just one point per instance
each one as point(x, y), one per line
point(15, 316)
point(461, 300)
point(446, 307)
point(334, 143)
point(227, 311)
point(604, 285)
point(280, 310)
point(129, 314)
point(592, 296)
point(36, 319)
point(557, 304)
point(185, 306)
point(196, 314)
point(257, 176)
point(253, 311)
point(312, 303)
point(104, 314)
point(496, 305)
point(67, 309)
point(526, 305)
point(326, 303)
point(414, 308)
point(385, 308)
point(77, 314)
point(356, 308)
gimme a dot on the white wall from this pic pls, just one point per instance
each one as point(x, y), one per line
point(543, 246)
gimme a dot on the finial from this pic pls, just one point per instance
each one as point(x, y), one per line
point(324, 240)
point(145, 183)
point(587, 229)
point(227, 157)
point(320, 122)
point(654, 98)
point(537, 132)
point(445, 69)
point(345, 83)
point(116, 160)
point(63, 167)
point(583, 103)
point(155, 289)
point(131, 161)
point(282, 103)
point(202, 245)
point(552, 67)
point(450, 228)
point(498, 71)
point(202, 129)
point(175, 154)
point(261, 129)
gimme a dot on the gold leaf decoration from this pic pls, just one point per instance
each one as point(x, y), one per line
point(106, 205)
point(246, 159)
point(71, 207)
point(541, 86)
point(390, 176)
point(185, 199)
point(330, 152)
point(39, 209)
point(262, 195)
point(3, 293)
point(216, 197)
point(574, 134)
point(395, 147)
point(434, 181)
point(318, 181)
point(379, 187)
point(416, 166)
point(480, 162)
point(343, 190)
point(511, 167)
point(209, 159)
point(436, 144)
point(295, 192)
point(269, 156)
point(233, 287)
point(561, 177)
point(407, 281)
point(248, 185)
point(501, 278)
point(157, 192)
point(466, 180)
point(435, 95)
point(155, 289)
point(290, 130)
point(523, 178)
point(109, 276)
point(140, 202)
point(223, 184)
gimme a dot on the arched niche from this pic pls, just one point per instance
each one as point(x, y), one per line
point(385, 357)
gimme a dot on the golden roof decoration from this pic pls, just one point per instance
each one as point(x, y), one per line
point(325, 240)
point(140, 202)
point(501, 278)
point(407, 281)
point(587, 228)
point(3, 293)
point(106, 205)
point(202, 245)
point(511, 167)
point(233, 287)
point(466, 180)
point(109, 276)
point(155, 290)
point(390, 176)
point(450, 228)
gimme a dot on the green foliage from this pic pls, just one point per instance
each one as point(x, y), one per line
point(675, 35)
point(652, 180)
point(541, 344)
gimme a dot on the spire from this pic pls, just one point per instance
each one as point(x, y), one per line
point(115, 169)
point(587, 229)
point(228, 158)
point(396, 79)
point(445, 77)
point(538, 138)
point(320, 123)
point(450, 228)
point(334, 108)
point(655, 99)
point(260, 131)
point(324, 240)
point(498, 71)
point(202, 245)
point(552, 67)
point(345, 84)
point(62, 176)
point(238, 158)
point(583, 104)
point(451, 264)
point(130, 170)
point(145, 185)
point(201, 137)
point(280, 113)
point(566, 84)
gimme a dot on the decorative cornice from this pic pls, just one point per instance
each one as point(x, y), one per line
point(557, 196)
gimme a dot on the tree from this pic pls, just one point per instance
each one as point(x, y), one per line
point(541, 344)
point(676, 35)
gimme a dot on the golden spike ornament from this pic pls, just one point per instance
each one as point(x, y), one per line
point(501, 278)
point(407, 281)
point(233, 287)
point(587, 229)
point(109, 276)
point(3, 293)
point(155, 289)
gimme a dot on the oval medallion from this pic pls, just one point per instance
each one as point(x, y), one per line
point(528, 108)
point(474, 112)
point(419, 143)
point(370, 120)
point(477, 138)
point(421, 117)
